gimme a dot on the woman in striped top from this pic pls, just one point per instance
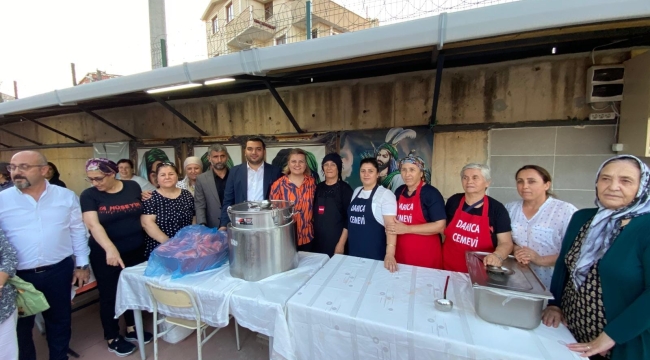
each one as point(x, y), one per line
point(298, 186)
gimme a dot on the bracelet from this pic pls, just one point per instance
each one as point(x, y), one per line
point(497, 255)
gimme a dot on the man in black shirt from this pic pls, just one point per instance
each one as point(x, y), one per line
point(210, 186)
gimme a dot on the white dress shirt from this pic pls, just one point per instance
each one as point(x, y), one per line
point(47, 231)
point(543, 233)
point(255, 183)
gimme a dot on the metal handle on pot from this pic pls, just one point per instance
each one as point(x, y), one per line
point(287, 217)
point(229, 210)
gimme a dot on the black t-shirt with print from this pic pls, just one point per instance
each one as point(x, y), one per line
point(118, 213)
point(497, 214)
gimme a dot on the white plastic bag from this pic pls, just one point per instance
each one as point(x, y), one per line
point(175, 335)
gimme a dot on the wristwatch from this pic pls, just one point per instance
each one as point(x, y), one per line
point(85, 267)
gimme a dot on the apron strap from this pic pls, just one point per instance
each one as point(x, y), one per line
point(468, 208)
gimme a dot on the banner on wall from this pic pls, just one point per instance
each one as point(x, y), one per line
point(388, 147)
point(234, 151)
point(148, 158)
point(277, 155)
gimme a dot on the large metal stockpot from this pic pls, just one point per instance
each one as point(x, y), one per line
point(262, 239)
point(511, 295)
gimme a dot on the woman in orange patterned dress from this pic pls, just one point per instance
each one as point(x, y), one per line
point(298, 186)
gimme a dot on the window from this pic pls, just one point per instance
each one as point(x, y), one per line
point(229, 13)
point(268, 10)
point(281, 40)
point(215, 25)
point(314, 33)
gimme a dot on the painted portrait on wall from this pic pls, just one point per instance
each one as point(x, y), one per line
point(234, 152)
point(277, 155)
point(149, 158)
point(388, 147)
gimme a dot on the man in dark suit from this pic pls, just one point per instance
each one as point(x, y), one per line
point(210, 187)
point(250, 181)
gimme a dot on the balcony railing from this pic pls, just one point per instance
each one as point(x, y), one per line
point(247, 27)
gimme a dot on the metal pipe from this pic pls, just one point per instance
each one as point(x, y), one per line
point(436, 90)
point(308, 18)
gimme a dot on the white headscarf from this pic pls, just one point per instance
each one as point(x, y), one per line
point(606, 225)
point(193, 160)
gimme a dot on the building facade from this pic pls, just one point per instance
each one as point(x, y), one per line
point(234, 25)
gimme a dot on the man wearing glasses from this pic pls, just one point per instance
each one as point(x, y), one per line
point(43, 222)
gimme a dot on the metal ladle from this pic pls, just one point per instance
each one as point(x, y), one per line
point(444, 304)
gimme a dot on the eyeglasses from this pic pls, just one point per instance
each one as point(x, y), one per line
point(92, 180)
point(167, 163)
point(22, 167)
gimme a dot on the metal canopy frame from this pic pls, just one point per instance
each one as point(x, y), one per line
point(5, 145)
point(132, 137)
point(280, 102)
point(180, 116)
point(21, 137)
point(53, 130)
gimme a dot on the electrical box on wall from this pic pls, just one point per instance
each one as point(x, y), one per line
point(634, 130)
point(605, 83)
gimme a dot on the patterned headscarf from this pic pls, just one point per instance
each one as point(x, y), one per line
point(101, 164)
point(411, 158)
point(606, 225)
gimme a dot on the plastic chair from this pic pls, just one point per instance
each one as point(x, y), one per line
point(181, 299)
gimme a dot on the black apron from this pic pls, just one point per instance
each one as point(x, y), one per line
point(328, 225)
point(366, 236)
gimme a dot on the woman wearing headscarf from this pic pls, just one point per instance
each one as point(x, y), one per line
point(421, 217)
point(192, 167)
point(601, 281)
point(111, 210)
point(331, 201)
point(8, 312)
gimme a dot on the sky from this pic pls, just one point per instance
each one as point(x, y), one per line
point(40, 38)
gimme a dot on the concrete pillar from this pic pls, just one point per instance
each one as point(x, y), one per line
point(157, 31)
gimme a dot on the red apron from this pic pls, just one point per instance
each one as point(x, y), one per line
point(414, 249)
point(466, 232)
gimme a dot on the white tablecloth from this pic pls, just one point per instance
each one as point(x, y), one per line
point(258, 306)
point(353, 308)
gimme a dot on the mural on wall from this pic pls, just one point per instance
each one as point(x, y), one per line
point(149, 158)
point(277, 155)
point(388, 147)
point(233, 150)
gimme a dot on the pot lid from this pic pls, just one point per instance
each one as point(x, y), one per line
point(260, 206)
point(511, 278)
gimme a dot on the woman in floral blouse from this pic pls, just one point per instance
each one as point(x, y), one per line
point(8, 313)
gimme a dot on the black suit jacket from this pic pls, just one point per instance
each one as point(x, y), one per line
point(237, 186)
